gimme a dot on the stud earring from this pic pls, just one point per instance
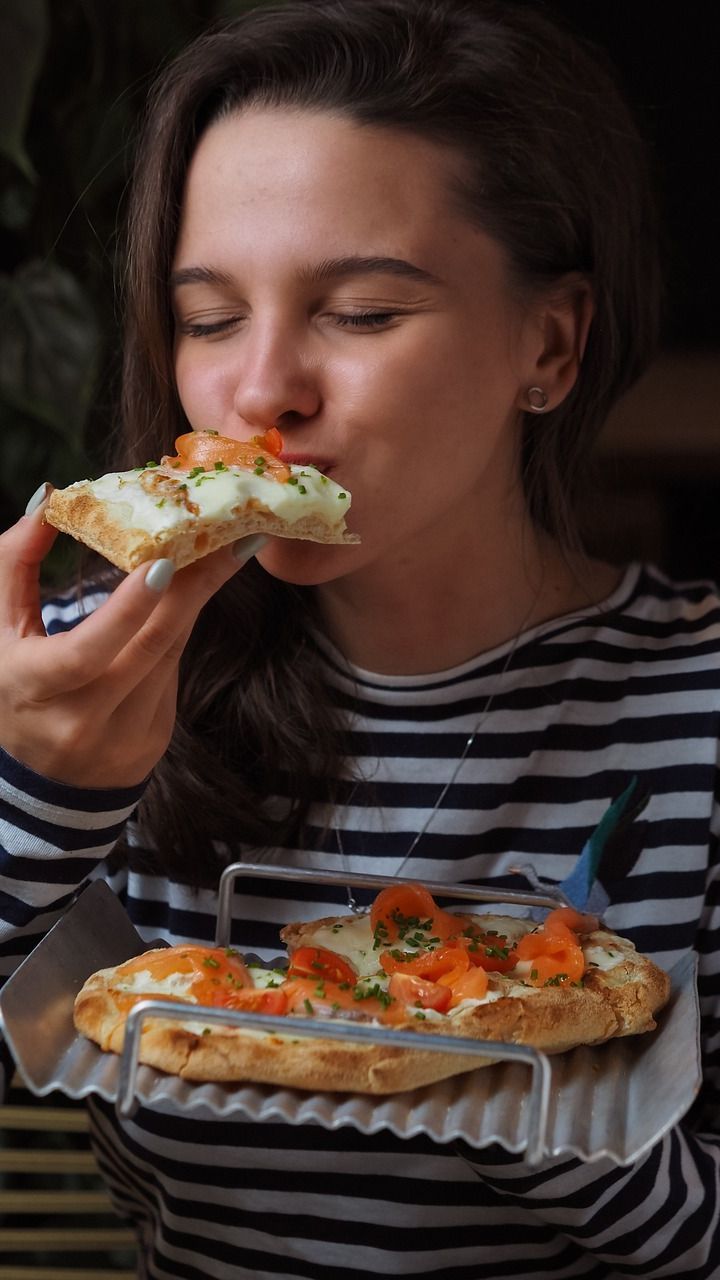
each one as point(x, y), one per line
point(537, 399)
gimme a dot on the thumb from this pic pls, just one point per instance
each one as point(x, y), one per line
point(36, 505)
point(211, 572)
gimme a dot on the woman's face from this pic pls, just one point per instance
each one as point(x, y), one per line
point(325, 283)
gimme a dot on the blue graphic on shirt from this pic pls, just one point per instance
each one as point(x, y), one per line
point(583, 888)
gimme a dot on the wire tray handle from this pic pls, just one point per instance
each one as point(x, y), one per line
point(538, 1099)
point(470, 892)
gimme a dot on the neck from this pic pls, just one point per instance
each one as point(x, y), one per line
point(411, 617)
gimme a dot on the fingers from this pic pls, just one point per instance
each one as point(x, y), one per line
point(200, 580)
point(160, 642)
point(97, 703)
point(78, 657)
point(22, 550)
point(146, 620)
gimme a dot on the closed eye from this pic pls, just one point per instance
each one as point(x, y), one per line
point(366, 319)
point(193, 329)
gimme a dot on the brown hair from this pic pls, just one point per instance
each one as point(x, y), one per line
point(554, 170)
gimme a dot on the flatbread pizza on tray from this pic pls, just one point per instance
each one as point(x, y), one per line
point(211, 492)
point(407, 964)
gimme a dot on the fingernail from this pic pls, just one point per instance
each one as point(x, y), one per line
point(245, 548)
point(159, 575)
point(39, 498)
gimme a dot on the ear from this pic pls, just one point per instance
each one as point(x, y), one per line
point(559, 331)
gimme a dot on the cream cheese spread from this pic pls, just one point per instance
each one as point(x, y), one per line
point(160, 497)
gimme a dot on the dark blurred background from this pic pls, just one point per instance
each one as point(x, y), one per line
point(75, 73)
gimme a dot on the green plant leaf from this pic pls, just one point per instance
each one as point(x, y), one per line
point(23, 39)
point(48, 362)
point(49, 350)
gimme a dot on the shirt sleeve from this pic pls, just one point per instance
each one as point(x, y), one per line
point(53, 838)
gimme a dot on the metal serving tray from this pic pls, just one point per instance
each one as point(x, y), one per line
point(615, 1100)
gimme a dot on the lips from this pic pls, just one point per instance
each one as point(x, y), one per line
point(306, 460)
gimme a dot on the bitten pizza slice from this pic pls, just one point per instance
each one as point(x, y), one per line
point(211, 492)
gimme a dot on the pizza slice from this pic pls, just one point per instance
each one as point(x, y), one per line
point(212, 491)
point(407, 964)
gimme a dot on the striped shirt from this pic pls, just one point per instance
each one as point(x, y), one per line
point(565, 718)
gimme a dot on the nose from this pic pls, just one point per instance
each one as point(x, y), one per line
point(277, 384)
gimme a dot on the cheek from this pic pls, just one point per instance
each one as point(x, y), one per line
point(202, 386)
point(443, 380)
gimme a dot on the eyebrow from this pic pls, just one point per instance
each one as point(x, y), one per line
point(198, 275)
point(338, 268)
point(328, 269)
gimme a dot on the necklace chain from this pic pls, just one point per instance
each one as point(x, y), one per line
point(453, 777)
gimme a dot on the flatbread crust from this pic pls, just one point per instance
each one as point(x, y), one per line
point(618, 1000)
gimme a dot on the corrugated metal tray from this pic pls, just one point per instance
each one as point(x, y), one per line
point(615, 1100)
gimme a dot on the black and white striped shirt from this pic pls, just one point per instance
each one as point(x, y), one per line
point(567, 717)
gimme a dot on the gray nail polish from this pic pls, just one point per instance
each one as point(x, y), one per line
point(159, 575)
point(245, 548)
point(39, 497)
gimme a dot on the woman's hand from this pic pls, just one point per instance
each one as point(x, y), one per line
point(95, 706)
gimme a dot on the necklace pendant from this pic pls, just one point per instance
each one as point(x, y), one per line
point(354, 906)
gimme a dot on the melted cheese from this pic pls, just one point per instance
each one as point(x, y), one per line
point(602, 957)
point(145, 983)
point(152, 499)
point(353, 940)
point(177, 984)
point(263, 978)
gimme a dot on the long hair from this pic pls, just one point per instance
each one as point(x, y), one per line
point(553, 168)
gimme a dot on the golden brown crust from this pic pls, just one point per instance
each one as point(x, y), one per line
point(616, 1001)
point(98, 524)
point(97, 1015)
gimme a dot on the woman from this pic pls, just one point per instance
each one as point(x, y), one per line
point(416, 236)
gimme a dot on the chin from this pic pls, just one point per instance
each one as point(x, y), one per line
point(305, 564)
